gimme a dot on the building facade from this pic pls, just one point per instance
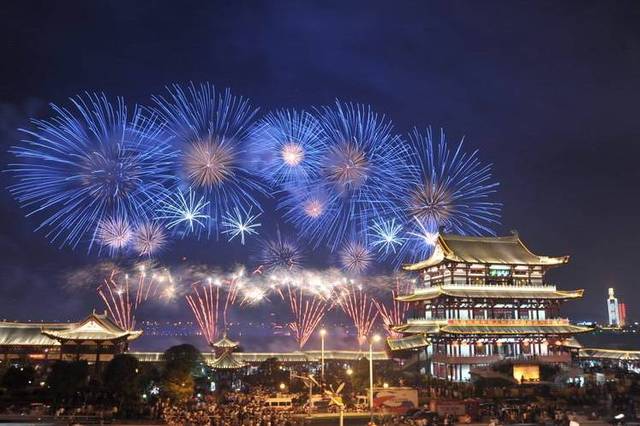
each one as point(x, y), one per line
point(481, 300)
point(95, 338)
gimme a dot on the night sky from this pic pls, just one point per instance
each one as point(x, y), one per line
point(547, 91)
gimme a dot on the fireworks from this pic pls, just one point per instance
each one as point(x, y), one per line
point(91, 163)
point(355, 257)
point(122, 297)
point(204, 302)
point(180, 210)
point(240, 224)
point(149, 238)
point(280, 254)
point(393, 312)
point(307, 307)
point(288, 147)
point(385, 236)
point(211, 130)
point(450, 189)
point(114, 233)
point(359, 307)
point(362, 172)
point(211, 299)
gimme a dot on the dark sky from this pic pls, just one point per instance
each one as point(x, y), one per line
point(548, 91)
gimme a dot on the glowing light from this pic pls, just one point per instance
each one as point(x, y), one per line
point(355, 257)
point(209, 163)
point(280, 254)
point(114, 233)
point(385, 236)
point(211, 130)
point(95, 161)
point(287, 147)
point(358, 306)
point(292, 154)
point(180, 210)
point(361, 175)
point(240, 224)
point(148, 239)
point(449, 189)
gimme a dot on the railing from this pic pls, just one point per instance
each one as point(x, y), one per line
point(488, 359)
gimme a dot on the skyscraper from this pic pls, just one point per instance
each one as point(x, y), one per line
point(613, 309)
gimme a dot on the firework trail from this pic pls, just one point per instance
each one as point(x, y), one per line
point(211, 300)
point(362, 173)
point(123, 297)
point(288, 147)
point(94, 162)
point(308, 297)
point(211, 130)
point(359, 307)
point(114, 233)
point(449, 189)
point(393, 312)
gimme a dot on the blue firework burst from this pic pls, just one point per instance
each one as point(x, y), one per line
point(184, 214)
point(451, 189)
point(90, 164)
point(211, 132)
point(240, 224)
point(362, 173)
point(287, 147)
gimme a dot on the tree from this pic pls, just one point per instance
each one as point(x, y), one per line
point(270, 373)
point(66, 379)
point(121, 380)
point(181, 364)
point(17, 378)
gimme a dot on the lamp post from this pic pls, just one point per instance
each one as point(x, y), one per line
point(323, 333)
point(374, 339)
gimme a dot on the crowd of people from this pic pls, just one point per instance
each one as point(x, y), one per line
point(232, 409)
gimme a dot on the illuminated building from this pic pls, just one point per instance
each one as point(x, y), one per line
point(622, 313)
point(482, 300)
point(96, 338)
point(613, 309)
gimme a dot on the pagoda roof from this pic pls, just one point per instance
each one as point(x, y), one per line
point(28, 334)
point(225, 342)
point(506, 250)
point(489, 327)
point(227, 361)
point(490, 292)
point(408, 342)
point(95, 327)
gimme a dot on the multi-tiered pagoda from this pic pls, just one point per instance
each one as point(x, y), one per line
point(480, 300)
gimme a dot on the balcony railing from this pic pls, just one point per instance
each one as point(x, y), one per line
point(489, 359)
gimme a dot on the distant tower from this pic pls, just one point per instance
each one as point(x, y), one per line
point(614, 309)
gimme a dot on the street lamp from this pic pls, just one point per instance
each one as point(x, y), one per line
point(323, 333)
point(282, 386)
point(374, 339)
point(349, 371)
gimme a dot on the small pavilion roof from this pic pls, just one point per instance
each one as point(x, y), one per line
point(408, 342)
point(490, 292)
point(506, 250)
point(225, 343)
point(227, 361)
point(95, 327)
